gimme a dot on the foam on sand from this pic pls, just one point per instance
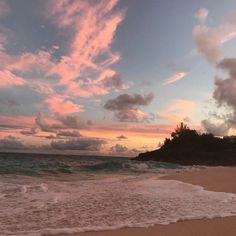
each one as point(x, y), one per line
point(52, 206)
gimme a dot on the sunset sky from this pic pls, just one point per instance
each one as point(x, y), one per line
point(114, 76)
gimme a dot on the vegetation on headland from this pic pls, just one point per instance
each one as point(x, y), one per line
point(188, 147)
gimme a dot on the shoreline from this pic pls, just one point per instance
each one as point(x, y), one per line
point(220, 179)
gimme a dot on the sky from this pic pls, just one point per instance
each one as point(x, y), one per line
point(114, 77)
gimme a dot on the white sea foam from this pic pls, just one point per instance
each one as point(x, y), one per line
point(35, 207)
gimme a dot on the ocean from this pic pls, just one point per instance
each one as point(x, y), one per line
point(49, 194)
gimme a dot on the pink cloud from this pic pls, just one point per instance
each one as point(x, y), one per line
point(228, 36)
point(106, 81)
point(8, 79)
point(17, 121)
point(152, 130)
point(173, 118)
point(62, 105)
point(178, 111)
point(176, 77)
point(182, 105)
point(40, 61)
point(29, 61)
point(60, 122)
point(55, 102)
point(94, 26)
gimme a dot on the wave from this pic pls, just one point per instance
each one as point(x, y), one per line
point(34, 165)
point(129, 166)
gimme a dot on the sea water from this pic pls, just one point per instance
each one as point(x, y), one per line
point(49, 194)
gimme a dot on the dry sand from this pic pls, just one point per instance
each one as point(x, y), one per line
point(215, 179)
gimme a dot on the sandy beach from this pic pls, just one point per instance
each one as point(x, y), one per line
point(214, 179)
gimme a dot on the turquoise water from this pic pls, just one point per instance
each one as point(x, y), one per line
point(55, 165)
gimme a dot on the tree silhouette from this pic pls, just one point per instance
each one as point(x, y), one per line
point(180, 130)
point(186, 146)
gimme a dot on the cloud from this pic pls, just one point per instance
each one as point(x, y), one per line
point(201, 15)
point(15, 68)
point(225, 88)
point(178, 111)
point(133, 115)
point(209, 40)
point(228, 64)
point(39, 62)
point(16, 122)
point(31, 131)
point(180, 105)
point(83, 70)
point(59, 104)
point(55, 102)
point(124, 101)
point(11, 143)
point(134, 129)
point(218, 129)
point(58, 122)
point(8, 79)
point(43, 124)
point(82, 144)
point(108, 80)
point(126, 106)
point(173, 118)
point(224, 95)
point(115, 82)
point(121, 137)
point(73, 122)
point(73, 133)
point(176, 77)
point(93, 26)
point(14, 73)
point(208, 43)
point(119, 149)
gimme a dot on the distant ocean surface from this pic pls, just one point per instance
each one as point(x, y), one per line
point(50, 194)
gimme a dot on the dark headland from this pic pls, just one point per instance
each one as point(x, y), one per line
point(188, 147)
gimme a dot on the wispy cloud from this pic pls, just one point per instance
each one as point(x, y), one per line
point(83, 71)
point(8, 79)
point(175, 77)
point(94, 26)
